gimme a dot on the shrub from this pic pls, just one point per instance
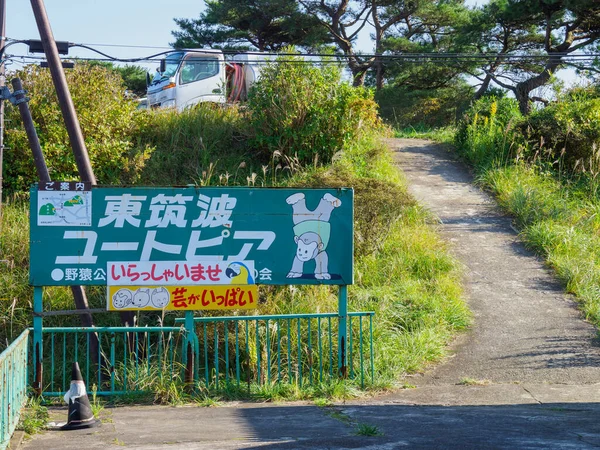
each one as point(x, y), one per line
point(192, 145)
point(298, 109)
point(404, 107)
point(486, 133)
point(106, 119)
point(569, 127)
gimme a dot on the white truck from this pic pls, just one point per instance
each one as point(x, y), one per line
point(188, 77)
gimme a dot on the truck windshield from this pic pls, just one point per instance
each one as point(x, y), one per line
point(199, 67)
point(171, 64)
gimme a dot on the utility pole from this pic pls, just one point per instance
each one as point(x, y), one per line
point(62, 91)
point(71, 122)
point(2, 84)
point(82, 159)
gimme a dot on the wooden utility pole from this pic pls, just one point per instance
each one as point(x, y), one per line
point(65, 101)
point(62, 91)
point(71, 122)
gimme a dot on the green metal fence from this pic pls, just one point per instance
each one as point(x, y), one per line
point(300, 348)
point(13, 390)
point(209, 351)
point(129, 359)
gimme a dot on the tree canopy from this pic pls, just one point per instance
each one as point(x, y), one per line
point(264, 25)
point(518, 45)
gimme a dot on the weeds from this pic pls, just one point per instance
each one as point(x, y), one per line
point(364, 429)
point(467, 381)
point(34, 417)
point(96, 404)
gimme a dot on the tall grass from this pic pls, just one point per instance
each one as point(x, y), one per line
point(554, 202)
point(403, 271)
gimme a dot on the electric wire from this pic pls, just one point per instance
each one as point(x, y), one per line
point(328, 58)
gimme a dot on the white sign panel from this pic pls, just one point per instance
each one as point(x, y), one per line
point(182, 273)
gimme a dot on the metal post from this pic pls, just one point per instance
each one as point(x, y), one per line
point(2, 83)
point(37, 339)
point(342, 330)
point(189, 347)
point(34, 142)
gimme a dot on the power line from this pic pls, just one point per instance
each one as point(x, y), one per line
point(328, 57)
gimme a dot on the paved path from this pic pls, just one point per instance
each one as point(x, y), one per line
point(526, 329)
point(528, 339)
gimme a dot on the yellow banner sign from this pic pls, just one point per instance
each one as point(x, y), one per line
point(181, 298)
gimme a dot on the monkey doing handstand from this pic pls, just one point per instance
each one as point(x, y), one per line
point(311, 233)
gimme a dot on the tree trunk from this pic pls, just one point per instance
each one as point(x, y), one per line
point(483, 88)
point(358, 77)
point(379, 76)
point(524, 88)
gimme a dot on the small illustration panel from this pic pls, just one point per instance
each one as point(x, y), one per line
point(181, 298)
point(64, 208)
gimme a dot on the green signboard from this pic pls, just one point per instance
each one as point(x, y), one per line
point(108, 235)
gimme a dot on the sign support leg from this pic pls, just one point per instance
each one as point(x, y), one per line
point(37, 339)
point(189, 347)
point(342, 330)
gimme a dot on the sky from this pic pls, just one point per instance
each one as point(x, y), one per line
point(119, 22)
point(115, 22)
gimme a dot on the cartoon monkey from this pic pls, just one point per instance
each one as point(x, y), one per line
point(311, 234)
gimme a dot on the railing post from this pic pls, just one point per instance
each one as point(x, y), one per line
point(190, 334)
point(342, 331)
point(37, 339)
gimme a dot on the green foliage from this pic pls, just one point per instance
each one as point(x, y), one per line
point(486, 136)
point(569, 127)
point(34, 417)
point(563, 137)
point(134, 78)
point(106, 117)
point(297, 109)
point(264, 25)
point(364, 429)
point(406, 107)
point(193, 146)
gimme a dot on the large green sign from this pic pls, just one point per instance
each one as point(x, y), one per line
point(82, 236)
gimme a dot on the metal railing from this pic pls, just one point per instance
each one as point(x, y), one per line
point(13, 390)
point(225, 351)
point(130, 359)
point(293, 348)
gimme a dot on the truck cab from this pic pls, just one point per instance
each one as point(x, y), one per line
point(186, 78)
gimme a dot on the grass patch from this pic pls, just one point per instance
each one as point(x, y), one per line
point(364, 429)
point(444, 135)
point(558, 221)
point(468, 381)
point(34, 417)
